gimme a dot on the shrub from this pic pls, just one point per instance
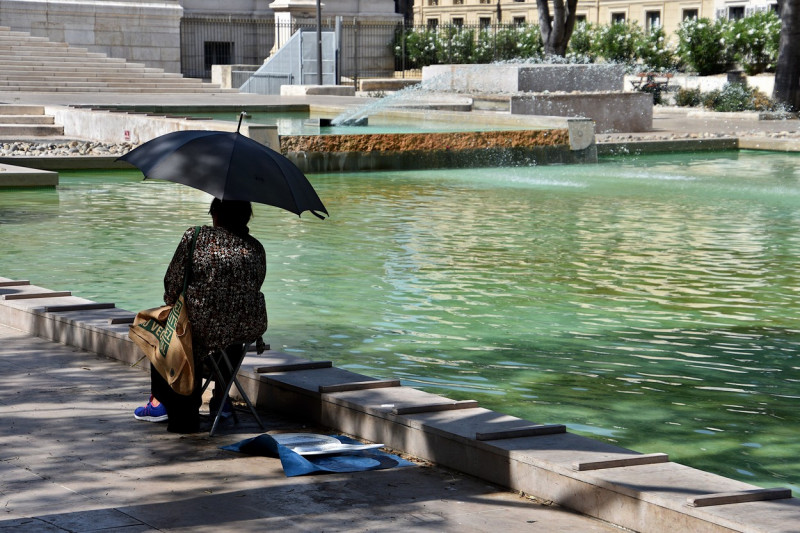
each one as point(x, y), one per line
point(702, 45)
point(655, 51)
point(754, 40)
point(737, 97)
point(617, 42)
point(420, 47)
point(688, 97)
point(456, 46)
point(529, 42)
point(484, 48)
point(581, 44)
point(505, 42)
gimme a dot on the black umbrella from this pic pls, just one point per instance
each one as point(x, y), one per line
point(228, 166)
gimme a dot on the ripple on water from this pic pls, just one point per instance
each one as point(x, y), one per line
point(639, 302)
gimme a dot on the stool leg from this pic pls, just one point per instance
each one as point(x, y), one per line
point(227, 386)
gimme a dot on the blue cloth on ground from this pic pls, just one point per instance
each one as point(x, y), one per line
point(295, 464)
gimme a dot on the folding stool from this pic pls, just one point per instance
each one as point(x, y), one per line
point(215, 360)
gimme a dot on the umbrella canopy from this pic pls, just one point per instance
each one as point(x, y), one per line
point(228, 166)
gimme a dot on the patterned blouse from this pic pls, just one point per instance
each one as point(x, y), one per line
point(224, 296)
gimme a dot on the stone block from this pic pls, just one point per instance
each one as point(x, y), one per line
point(581, 133)
point(611, 112)
point(14, 176)
point(328, 90)
point(523, 78)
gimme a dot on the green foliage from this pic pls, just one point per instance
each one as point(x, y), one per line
point(420, 47)
point(702, 45)
point(617, 42)
point(655, 51)
point(484, 48)
point(754, 40)
point(581, 44)
point(688, 97)
point(732, 97)
point(456, 46)
point(529, 42)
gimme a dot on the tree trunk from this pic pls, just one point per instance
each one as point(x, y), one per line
point(556, 32)
point(787, 70)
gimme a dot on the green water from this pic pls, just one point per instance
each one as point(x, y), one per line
point(649, 302)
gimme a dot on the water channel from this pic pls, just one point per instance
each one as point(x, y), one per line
point(651, 302)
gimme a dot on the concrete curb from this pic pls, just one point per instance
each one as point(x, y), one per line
point(666, 146)
point(632, 490)
point(14, 176)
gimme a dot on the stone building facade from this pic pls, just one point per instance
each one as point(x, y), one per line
point(647, 13)
point(156, 33)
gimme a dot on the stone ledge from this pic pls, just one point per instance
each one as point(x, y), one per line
point(14, 176)
point(667, 146)
point(317, 90)
point(648, 497)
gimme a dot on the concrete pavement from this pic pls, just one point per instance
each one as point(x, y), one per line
point(64, 471)
point(74, 459)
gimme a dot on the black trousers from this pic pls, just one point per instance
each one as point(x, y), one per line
point(184, 411)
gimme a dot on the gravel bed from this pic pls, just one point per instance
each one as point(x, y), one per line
point(62, 148)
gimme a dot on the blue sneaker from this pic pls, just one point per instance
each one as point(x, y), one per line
point(150, 413)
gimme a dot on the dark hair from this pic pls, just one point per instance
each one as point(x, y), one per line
point(233, 215)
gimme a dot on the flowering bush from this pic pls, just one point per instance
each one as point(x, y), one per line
point(456, 46)
point(732, 97)
point(617, 42)
point(529, 41)
point(581, 44)
point(420, 47)
point(702, 45)
point(688, 97)
point(655, 51)
point(755, 40)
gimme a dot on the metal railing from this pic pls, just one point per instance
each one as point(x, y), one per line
point(368, 49)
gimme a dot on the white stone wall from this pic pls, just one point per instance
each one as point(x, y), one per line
point(142, 32)
point(149, 31)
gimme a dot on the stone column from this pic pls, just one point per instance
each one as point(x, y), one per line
point(287, 12)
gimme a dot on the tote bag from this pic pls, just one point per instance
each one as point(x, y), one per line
point(164, 334)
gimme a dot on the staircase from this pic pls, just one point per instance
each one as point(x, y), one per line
point(19, 121)
point(36, 64)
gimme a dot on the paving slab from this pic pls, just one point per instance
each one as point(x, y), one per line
point(74, 459)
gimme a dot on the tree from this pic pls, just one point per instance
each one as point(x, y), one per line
point(787, 69)
point(557, 30)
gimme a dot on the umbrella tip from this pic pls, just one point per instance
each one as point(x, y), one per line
point(242, 115)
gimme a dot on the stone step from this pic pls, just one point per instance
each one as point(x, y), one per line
point(67, 53)
point(152, 90)
point(43, 130)
point(6, 39)
point(37, 64)
point(34, 85)
point(60, 69)
point(26, 119)
point(55, 51)
point(14, 109)
point(19, 35)
point(89, 77)
point(8, 57)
